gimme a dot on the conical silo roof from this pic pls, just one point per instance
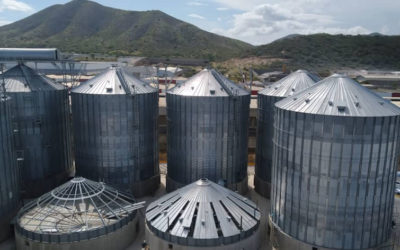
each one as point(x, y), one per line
point(203, 214)
point(208, 82)
point(339, 95)
point(114, 81)
point(291, 84)
point(80, 206)
point(22, 78)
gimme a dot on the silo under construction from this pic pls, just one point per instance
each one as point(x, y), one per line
point(80, 214)
point(207, 131)
point(287, 86)
point(9, 185)
point(40, 110)
point(203, 215)
point(115, 131)
point(336, 148)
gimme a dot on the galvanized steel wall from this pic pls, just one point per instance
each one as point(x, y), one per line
point(265, 131)
point(207, 138)
point(333, 178)
point(9, 189)
point(116, 138)
point(43, 138)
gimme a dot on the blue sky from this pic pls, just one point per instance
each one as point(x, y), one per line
point(253, 21)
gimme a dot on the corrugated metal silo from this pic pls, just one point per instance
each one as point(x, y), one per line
point(115, 131)
point(336, 148)
point(287, 86)
point(40, 109)
point(207, 131)
point(9, 189)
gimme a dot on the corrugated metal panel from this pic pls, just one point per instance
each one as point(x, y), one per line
point(208, 82)
point(207, 138)
point(116, 138)
point(76, 211)
point(114, 81)
point(25, 54)
point(332, 175)
point(9, 189)
point(203, 214)
point(41, 121)
point(340, 96)
point(293, 83)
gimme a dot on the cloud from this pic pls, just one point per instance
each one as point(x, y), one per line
point(268, 22)
point(222, 8)
point(15, 6)
point(196, 16)
point(195, 3)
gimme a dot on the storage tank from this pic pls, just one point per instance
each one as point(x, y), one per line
point(203, 215)
point(29, 54)
point(115, 131)
point(80, 214)
point(9, 189)
point(207, 131)
point(287, 86)
point(40, 109)
point(336, 148)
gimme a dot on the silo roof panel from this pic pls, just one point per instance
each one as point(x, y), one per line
point(291, 84)
point(339, 95)
point(114, 81)
point(208, 82)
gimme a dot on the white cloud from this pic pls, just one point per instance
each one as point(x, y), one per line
point(195, 3)
point(268, 22)
point(4, 22)
point(196, 16)
point(15, 6)
point(222, 8)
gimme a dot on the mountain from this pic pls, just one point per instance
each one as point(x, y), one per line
point(324, 51)
point(87, 27)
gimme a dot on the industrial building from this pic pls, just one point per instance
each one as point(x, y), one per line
point(287, 86)
point(115, 131)
point(335, 156)
point(40, 115)
point(80, 214)
point(207, 131)
point(203, 215)
point(9, 185)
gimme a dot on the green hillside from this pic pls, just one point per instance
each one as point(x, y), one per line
point(87, 27)
point(322, 51)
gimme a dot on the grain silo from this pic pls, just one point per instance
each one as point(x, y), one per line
point(336, 148)
point(203, 215)
point(9, 189)
point(287, 86)
point(80, 214)
point(115, 131)
point(207, 131)
point(40, 109)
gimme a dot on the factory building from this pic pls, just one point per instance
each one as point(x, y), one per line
point(203, 215)
point(287, 86)
point(207, 131)
point(80, 214)
point(40, 115)
point(115, 131)
point(336, 149)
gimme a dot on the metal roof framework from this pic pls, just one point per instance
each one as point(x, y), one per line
point(203, 214)
point(77, 210)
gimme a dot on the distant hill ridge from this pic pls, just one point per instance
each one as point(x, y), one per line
point(88, 27)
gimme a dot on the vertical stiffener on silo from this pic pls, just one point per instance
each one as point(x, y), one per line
point(207, 131)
